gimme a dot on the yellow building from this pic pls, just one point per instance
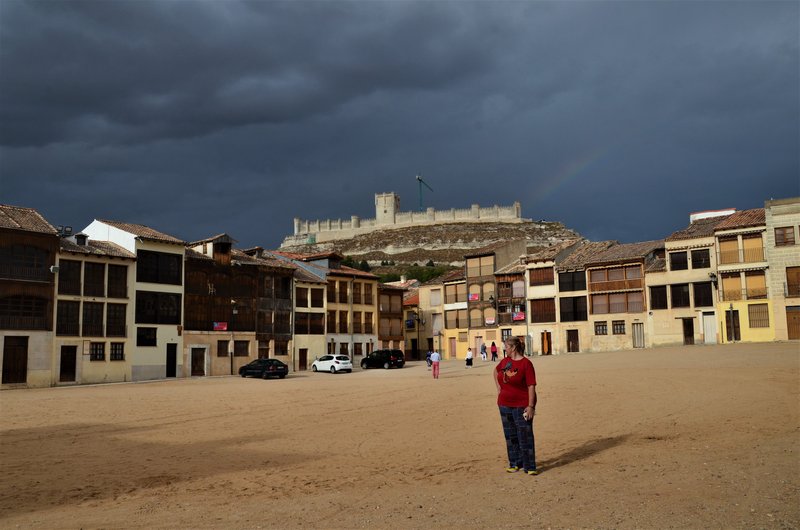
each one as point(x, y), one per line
point(783, 254)
point(744, 308)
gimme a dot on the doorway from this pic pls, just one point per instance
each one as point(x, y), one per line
point(69, 355)
point(638, 335)
point(172, 360)
point(302, 353)
point(709, 328)
point(15, 360)
point(688, 331)
point(573, 345)
point(547, 343)
point(793, 322)
point(451, 348)
point(198, 362)
point(732, 325)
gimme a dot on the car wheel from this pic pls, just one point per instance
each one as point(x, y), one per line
point(333, 370)
point(264, 375)
point(363, 365)
point(243, 374)
point(313, 367)
point(386, 366)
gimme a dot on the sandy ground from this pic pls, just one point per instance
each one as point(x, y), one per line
point(696, 437)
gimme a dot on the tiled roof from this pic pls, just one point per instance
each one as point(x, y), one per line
point(349, 271)
point(583, 254)
point(143, 232)
point(452, 276)
point(697, 229)
point(550, 253)
point(408, 284)
point(512, 268)
point(238, 256)
point(193, 254)
point(655, 264)
point(390, 287)
point(412, 299)
point(219, 237)
point(27, 219)
point(305, 276)
point(96, 248)
point(626, 251)
point(743, 219)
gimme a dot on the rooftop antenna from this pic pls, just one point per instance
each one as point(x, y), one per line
point(421, 182)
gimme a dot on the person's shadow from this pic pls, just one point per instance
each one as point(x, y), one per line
point(583, 451)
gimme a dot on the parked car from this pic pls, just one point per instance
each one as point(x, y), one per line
point(384, 359)
point(264, 368)
point(332, 364)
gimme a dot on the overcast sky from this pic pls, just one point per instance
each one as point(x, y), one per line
point(196, 118)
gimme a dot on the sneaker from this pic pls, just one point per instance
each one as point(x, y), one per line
point(532, 471)
point(512, 469)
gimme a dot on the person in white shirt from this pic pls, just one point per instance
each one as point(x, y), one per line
point(435, 358)
point(469, 358)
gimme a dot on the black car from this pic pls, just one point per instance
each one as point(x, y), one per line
point(264, 368)
point(384, 359)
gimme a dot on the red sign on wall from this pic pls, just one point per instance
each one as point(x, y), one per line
point(220, 326)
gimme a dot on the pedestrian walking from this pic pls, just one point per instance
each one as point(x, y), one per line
point(435, 359)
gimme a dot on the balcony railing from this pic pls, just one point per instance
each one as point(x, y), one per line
point(13, 272)
point(616, 285)
point(791, 290)
point(70, 329)
point(731, 295)
point(749, 255)
point(17, 322)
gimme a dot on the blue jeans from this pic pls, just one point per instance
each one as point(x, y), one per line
point(519, 438)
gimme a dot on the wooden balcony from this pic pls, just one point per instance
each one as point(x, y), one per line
point(12, 272)
point(733, 295)
point(18, 322)
point(616, 285)
point(750, 255)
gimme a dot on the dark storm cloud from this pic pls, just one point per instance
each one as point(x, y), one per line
point(618, 118)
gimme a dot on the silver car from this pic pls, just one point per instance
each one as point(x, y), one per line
point(332, 364)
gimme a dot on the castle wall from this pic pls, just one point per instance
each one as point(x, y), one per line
point(388, 216)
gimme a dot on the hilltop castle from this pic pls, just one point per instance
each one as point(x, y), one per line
point(388, 215)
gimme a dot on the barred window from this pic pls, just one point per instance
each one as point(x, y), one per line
point(117, 352)
point(241, 348)
point(145, 336)
point(222, 348)
point(618, 327)
point(658, 297)
point(758, 314)
point(784, 236)
point(601, 328)
point(97, 351)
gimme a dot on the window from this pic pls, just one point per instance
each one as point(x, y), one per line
point(541, 276)
point(301, 297)
point(679, 294)
point(117, 352)
point(784, 236)
point(572, 281)
point(282, 347)
point(69, 277)
point(677, 261)
point(92, 319)
point(331, 321)
point(145, 336)
point(158, 308)
point(356, 292)
point(67, 318)
point(792, 281)
point(331, 291)
point(117, 281)
point(115, 320)
point(358, 348)
point(758, 315)
point(316, 324)
point(658, 297)
point(518, 289)
point(357, 327)
point(342, 321)
point(473, 267)
point(24, 262)
point(367, 294)
point(241, 348)
point(701, 259)
point(97, 351)
point(573, 309)
point(601, 328)
point(436, 297)
point(94, 279)
point(543, 310)
point(367, 322)
point(159, 267)
point(703, 296)
point(756, 284)
point(301, 323)
point(343, 294)
point(618, 327)
point(222, 348)
point(316, 297)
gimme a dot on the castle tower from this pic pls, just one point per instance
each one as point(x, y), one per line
point(386, 207)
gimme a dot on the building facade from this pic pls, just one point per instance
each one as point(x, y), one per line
point(782, 219)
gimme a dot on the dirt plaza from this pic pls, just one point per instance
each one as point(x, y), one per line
point(690, 437)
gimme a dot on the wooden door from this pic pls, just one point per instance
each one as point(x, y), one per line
point(451, 349)
point(172, 360)
point(69, 355)
point(688, 331)
point(793, 322)
point(572, 341)
point(547, 343)
point(15, 360)
point(638, 335)
point(303, 358)
point(732, 325)
point(198, 362)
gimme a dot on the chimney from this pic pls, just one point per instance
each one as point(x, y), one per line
point(403, 278)
point(80, 239)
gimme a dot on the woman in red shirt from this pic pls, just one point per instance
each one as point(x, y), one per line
point(515, 379)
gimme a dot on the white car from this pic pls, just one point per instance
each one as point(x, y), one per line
point(332, 364)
